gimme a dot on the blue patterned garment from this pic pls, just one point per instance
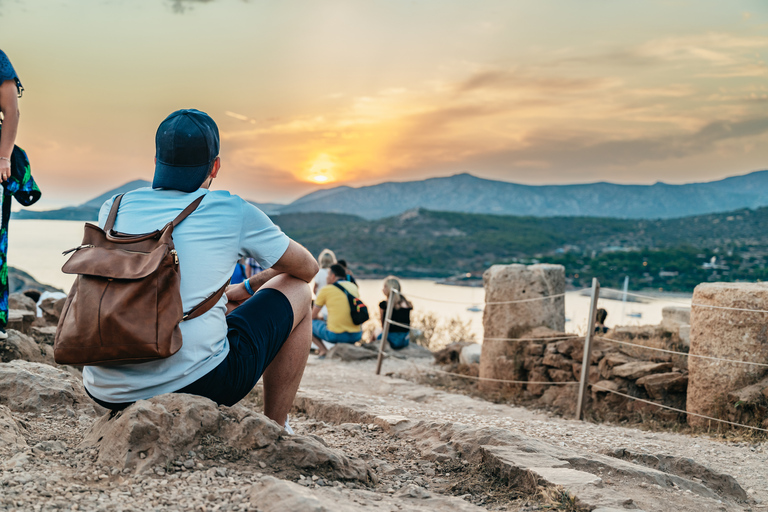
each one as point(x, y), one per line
point(8, 73)
point(20, 185)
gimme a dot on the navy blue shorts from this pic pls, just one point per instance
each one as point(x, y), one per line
point(256, 333)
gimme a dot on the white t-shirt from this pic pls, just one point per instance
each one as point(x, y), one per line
point(223, 229)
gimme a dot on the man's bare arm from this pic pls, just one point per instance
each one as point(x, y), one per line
point(298, 262)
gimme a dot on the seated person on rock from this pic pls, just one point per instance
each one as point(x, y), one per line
point(401, 313)
point(268, 330)
point(339, 327)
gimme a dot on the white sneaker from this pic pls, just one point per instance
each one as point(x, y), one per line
point(3, 334)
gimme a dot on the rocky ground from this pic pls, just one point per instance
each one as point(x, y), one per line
point(362, 442)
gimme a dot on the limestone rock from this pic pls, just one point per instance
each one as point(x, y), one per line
point(52, 309)
point(501, 359)
point(538, 374)
point(347, 352)
point(726, 334)
point(660, 384)
point(411, 351)
point(638, 369)
point(557, 361)
point(21, 320)
point(10, 433)
point(164, 428)
point(44, 335)
point(470, 354)
point(41, 388)
point(20, 346)
point(560, 375)
point(21, 301)
point(273, 495)
point(609, 361)
point(451, 353)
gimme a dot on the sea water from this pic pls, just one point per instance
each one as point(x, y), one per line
point(35, 246)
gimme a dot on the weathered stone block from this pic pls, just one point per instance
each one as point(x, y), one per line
point(43, 335)
point(505, 283)
point(661, 384)
point(557, 361)
point(538, 374)
point(638, 369)
point(672, 317)
point(609, 361)
point(21, 301)
point(534, 349)
point(21, 320)
point(725, 334)
point(560, 375)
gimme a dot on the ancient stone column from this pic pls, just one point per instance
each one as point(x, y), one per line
point(503, 359)
point(727, 334)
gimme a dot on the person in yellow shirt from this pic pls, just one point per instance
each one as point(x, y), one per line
point(339, 327)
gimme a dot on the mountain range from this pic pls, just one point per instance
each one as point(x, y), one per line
point(469, 194)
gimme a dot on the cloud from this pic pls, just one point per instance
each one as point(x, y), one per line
point(503, 79)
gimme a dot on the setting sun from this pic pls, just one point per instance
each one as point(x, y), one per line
point(321, 170)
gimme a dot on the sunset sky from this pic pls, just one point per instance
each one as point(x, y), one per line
point(320, 93)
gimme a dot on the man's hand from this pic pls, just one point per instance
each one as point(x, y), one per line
point(237, 294)
point(5, 169)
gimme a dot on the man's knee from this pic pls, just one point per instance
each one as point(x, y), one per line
point(295, 290)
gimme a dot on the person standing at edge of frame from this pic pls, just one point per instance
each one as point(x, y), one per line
point(10, 92)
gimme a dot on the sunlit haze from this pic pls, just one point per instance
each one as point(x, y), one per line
point(315, 94)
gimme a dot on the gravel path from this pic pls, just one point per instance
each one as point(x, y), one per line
point(357, 382)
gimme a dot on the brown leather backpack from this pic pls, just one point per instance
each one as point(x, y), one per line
point(125, 304)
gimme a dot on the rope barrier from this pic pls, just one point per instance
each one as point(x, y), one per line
point(692, 304)
point(561, 338)
point(681, 353)
point(595, 386)
point(488, 303)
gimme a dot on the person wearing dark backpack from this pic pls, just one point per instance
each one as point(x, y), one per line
point(261, 326)
point(339, 327)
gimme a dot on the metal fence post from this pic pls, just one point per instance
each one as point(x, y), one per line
point(584, 382)
point(385, 328)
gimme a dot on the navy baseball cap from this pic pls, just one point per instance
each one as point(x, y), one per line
point(186, 144)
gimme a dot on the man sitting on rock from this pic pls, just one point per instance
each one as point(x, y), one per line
point(268, 330)
point(339, 327)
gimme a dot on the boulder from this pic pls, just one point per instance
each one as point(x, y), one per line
point(44, 335)
point(347, 352)
point(273, 495)
point(21, 320)
point(41, 388)
point(560, 375)
point(21, 301)
point(556, 360)
point(411, 351)
point(538, 374)
point(659, 385)
point(609, 361)
point(51, 308)
point(165, 428)
point(726, 334)
point(450, 353)
point(638, 369)
point(10, 432)
point(470, 354)
point(21, 346)
point(500, 358)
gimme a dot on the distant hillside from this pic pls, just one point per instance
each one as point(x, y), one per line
point(89, 211)
point(423, 243)
point(469, 194)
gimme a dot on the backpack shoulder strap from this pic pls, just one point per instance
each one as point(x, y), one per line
point(346, 292)
point(189, 209)
point(180, 217)
point(113, 213)
point(207, 304)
